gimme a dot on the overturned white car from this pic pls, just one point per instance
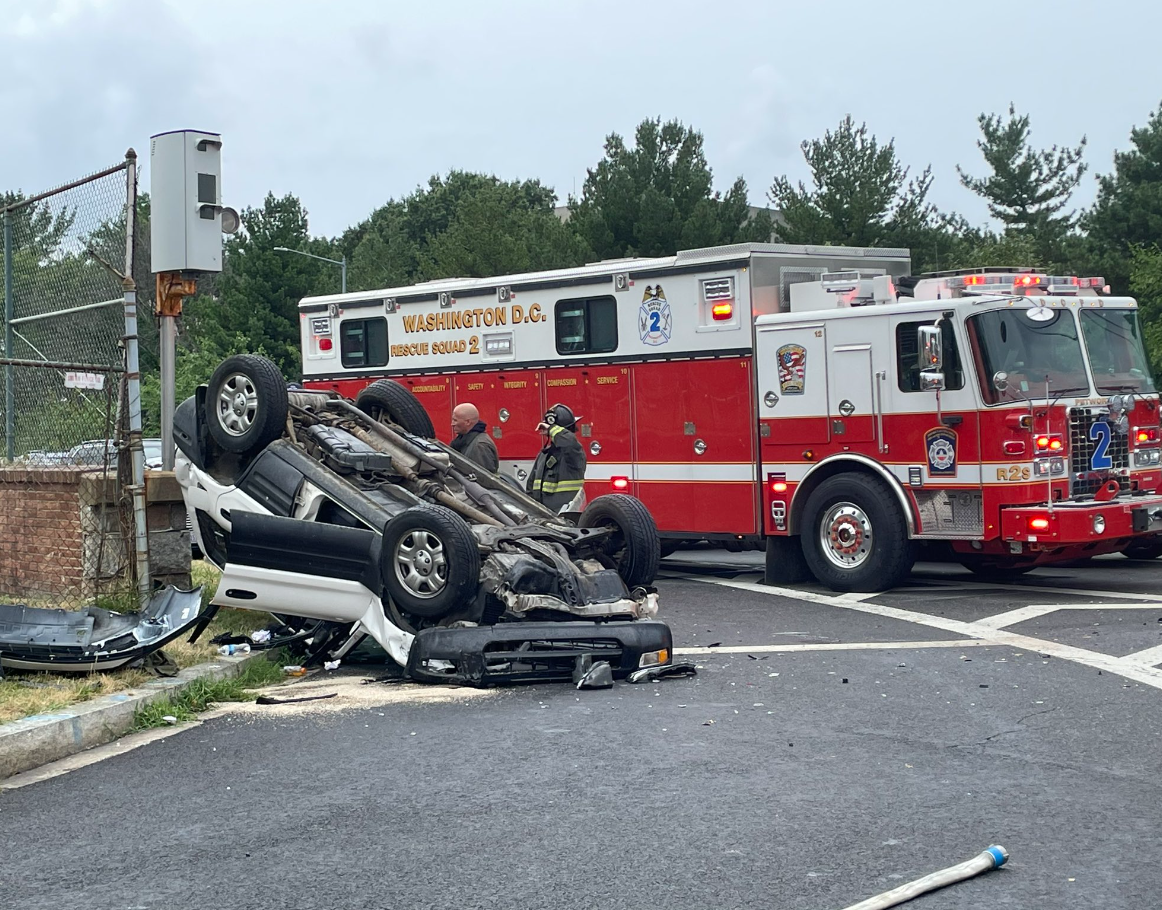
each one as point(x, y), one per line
point(354, 516)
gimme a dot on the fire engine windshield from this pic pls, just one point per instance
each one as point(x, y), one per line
point(1029, 353)
point(1117, 355)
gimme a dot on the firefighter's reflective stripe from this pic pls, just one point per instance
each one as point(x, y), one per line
point(557, 486)
point(553, 431)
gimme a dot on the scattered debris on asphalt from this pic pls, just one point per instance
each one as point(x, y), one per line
point(590, 674)
point(667, 671)
point(271, 700)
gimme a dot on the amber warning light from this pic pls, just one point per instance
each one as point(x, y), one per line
point(722, 311)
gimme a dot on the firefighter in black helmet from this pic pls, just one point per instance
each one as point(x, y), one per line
point(559, 472)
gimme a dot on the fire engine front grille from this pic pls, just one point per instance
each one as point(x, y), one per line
point(1084, 444)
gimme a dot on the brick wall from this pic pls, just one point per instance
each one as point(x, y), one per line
point(60, 535)
point(40, 533)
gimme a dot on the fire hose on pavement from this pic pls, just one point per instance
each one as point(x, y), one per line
point(992, 858)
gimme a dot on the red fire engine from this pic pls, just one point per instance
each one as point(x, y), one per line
point(814, 398)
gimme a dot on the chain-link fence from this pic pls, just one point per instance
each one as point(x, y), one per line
point(67, 535)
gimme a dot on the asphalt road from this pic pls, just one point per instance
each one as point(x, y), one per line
point(829, 749)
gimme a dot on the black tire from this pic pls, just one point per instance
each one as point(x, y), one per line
point(246, 404)
point(414, 576)
point(386, 398)
point(1143, 549)
point(634, 546)
point(785, 564)
point(868, 547)
point(994, 568)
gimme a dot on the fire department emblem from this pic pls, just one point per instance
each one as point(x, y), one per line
point(792, 368)
point(654, 321)
point(941, 445)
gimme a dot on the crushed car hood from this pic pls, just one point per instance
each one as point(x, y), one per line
point(35, 638)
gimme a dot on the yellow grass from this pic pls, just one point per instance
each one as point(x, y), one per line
point(25, 694)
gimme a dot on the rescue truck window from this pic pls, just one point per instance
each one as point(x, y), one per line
point(363, 342)
point(586, 325)
point(908, 356)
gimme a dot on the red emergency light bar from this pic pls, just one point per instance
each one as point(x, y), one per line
point(1048, 443)
point(722, 311)
point(620, 484)
point(1038, 524)
point(1028, 281)
point(1148, 434)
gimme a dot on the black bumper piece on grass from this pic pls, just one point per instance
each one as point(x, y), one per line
point(527, 652)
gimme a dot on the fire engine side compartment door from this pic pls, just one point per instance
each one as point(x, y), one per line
point(851, 386)
point(435, 394)
point(792, 388)
point(511, 406)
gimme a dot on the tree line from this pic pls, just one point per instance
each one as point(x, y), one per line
point(655, 195)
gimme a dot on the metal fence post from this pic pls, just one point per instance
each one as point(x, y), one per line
point(133, 377)
point(9, 307)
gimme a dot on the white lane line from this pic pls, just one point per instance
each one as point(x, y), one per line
point(1023, 614)
point(841, 646)
point(1151, 657)
point(1100, 606)
point(1045, 589)
point(1127, 670)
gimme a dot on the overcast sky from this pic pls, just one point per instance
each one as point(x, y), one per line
point(350, 102)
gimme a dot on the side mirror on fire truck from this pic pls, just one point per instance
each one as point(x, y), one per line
point(931, 358)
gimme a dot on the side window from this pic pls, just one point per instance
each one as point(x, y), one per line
point(586, 326)
point(908, 356)
point(363, 342)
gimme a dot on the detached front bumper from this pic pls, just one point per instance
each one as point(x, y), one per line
point(526, 652)
point(1083, 522)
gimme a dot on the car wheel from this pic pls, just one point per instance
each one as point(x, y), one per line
point(854, 536)
point(429, 561)
point(246, 404)
point(1143, 549)
point(388, 399)
point(633, 546)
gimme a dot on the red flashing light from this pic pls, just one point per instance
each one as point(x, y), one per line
point(325, 344)
point(621, 484)
point(1148, 434)
point(722, 311)
point(1038, 524)
point(1054, 445)
point(1027, 281)
point(974, 280)
point(779, 486)
point(1042, 442)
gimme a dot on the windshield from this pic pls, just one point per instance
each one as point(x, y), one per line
point(1029, 353)
point(1116, 352)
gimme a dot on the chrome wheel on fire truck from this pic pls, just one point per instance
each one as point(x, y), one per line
point(845, 535)
point(855, 536)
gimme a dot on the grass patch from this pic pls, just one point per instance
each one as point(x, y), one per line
point(203, 693)
point(26, 694)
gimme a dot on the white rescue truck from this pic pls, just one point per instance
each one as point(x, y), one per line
point(815, 399)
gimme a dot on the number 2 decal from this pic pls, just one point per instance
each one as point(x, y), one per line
point(1101, 461)
point(655, 321)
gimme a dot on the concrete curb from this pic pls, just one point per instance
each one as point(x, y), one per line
point(33, 741)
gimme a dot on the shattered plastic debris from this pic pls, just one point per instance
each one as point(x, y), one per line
point(600, 676)
point(652, 674)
